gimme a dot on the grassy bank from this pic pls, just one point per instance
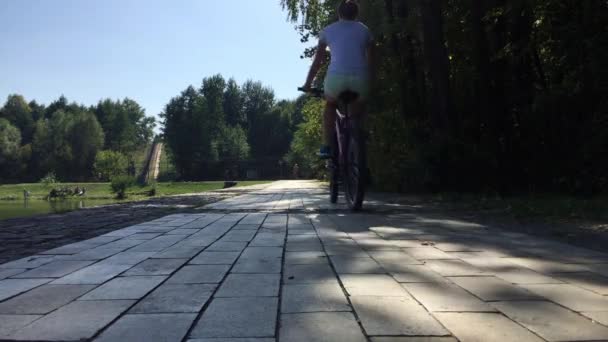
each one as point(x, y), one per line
point(102, 190)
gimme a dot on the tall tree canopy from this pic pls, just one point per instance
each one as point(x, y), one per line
point(125, 124)
point(225, 122)
point(487, 95)
point(65, 137)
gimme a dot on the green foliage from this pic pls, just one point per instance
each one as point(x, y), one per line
point(65, 137)
point(68, 143)
point(120, 184)
point(49, 180)
point(483, 95)
point(10, 151)
point(109, 164)
point(232, 143)
point(125, 124)
point(17, 111)
point(225, 122)
point(307, 140)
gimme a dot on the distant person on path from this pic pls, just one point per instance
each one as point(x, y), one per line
point(350, 43)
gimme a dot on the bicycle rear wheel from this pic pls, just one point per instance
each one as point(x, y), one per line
point(355, 169)
point(334, 175)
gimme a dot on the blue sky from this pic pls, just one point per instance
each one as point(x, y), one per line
point(147, 50)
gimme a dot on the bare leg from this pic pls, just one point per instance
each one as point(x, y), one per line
point(329, 119)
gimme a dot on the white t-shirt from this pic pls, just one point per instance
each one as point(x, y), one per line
point(348, 41)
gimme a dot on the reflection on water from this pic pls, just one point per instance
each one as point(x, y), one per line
point(29, 207)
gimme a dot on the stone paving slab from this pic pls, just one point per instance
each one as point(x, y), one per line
point(178, 252)
point(134, 287)
point(450, 268)
point(365, 265)
point(308, 274)
point(43, 299)
point(395, 316)
point(320, 297)
point(29, 262)
point(320, 327)
point(416, 274)
point(427, 253)
point(250, 285)
point(10, 272)
point(199, 274)
point(13, 287)
point(75, 321)
point(305, 258)
point(601, 269)
point(238, 317)
point(553, 322)
point(129, 258)
point(484, 327)
point(414, 339)
point(586, 280)
point(258, 266)
point(148, 328)
point(11, 323)
point(155, 267)
point(446, 297)
point(227, 246)
point(572, 297)
point(175, 298)
point(493, 289)
point(232, 340)
point(428, 266)
point(372, 285)
point(598, 317)
point(97, 253)
point(215, 258)
point(92, 275)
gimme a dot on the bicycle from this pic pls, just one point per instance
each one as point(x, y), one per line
point(348, 160)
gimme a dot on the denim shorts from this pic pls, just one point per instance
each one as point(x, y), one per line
point(336, 83)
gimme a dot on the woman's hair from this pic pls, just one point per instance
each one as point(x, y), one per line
point(348, 9)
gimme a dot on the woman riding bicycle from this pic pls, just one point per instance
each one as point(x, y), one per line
point(350, 43)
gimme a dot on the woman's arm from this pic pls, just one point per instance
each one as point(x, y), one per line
point(317, 62)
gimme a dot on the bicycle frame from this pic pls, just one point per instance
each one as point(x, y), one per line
point(347, 164)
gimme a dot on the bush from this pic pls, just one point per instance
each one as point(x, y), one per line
point(152, 192)
point(120, 185)
point(49, 180)
point(109, 164)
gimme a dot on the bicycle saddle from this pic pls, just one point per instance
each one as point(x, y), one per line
point(348, 96)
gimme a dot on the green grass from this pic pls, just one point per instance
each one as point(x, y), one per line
point(102, 190)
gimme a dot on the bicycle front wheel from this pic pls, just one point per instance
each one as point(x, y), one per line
point(354, 170)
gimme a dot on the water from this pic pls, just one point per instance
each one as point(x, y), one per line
point(30, 207)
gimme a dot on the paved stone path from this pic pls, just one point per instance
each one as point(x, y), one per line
point(283, 265)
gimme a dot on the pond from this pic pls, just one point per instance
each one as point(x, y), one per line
point(30, 207)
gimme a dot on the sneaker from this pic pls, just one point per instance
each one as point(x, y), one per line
point(325, 152)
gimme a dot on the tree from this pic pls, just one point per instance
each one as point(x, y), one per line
point(186, 133)
point(17, 111)
point(67, 144)
point(232, 143)
point(109, 164)
point(498, 95)
point(10, 142)
point(224, 122)
point(258, 102)
point(306, 140)
point(233, 104)
point(125, 124)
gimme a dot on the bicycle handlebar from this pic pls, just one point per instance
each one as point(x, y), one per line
point(318, 92)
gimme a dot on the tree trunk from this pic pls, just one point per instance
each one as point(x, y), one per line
point(437, 64)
